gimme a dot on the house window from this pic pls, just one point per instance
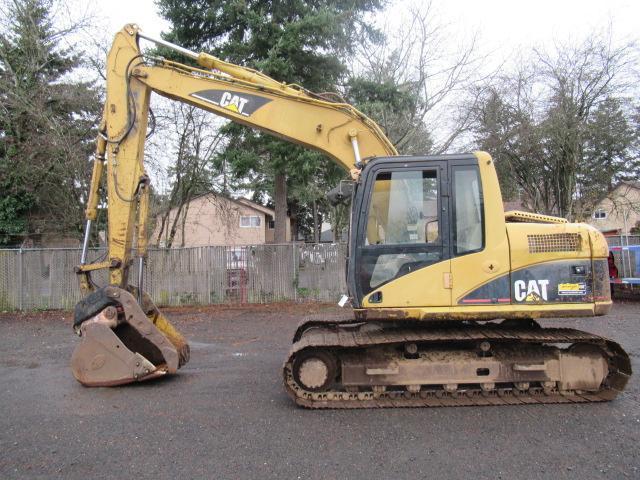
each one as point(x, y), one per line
point(272, 224)
point(249, 221)
point(600, 214)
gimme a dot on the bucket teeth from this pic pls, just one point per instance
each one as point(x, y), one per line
point(121, 344)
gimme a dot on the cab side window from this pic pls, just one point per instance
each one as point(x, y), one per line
point(468, 211)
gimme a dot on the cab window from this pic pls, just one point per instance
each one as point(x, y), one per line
point(404, 208)
point(468, 230)
point(403, 229)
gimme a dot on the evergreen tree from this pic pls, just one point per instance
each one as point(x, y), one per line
point(301, 42)
point(46, 126)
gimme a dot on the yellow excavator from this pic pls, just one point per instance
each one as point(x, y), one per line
point(445, 287)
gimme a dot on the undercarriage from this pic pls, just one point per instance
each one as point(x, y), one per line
point(350, 365)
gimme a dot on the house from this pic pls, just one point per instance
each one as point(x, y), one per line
point(213, 219)
point(619, 211)
point(327, 236)
point(517, 204)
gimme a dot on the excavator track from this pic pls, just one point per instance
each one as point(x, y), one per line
point(342, 341)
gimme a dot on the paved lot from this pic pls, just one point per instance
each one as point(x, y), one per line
point(226, 415)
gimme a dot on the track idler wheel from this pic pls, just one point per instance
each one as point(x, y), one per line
point(121, 342)
point(315, 370)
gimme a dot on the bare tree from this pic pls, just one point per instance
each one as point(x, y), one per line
point(196, 140)
point(545, 122)
point(507, 126)
point(579, 79)
point(417, 83)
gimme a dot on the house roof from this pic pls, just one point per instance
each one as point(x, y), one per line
point(624, 183)
point(255, 206)
point(241, 201)
point(630, 183)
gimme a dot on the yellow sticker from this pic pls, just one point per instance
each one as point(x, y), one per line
point(572, 288)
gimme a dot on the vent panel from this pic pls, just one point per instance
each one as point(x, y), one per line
point(554, 242)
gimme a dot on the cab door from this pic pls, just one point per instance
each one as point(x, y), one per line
point(401, 251)
point(480, 262)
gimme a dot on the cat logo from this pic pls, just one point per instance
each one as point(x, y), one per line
point(531, 291)
point(241, 103)
point(232, 102)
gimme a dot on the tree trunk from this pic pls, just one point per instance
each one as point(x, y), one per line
point(294, 213)
point(174, 227)
point(163, 221)
point(184, 222)
point(316, 230)
point(280, 200)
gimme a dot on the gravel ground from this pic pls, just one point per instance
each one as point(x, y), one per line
point(226, 415)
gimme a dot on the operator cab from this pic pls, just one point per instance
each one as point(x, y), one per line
point(412, 212)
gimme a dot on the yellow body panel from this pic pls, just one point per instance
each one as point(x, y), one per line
point(422, 294)
point(518, 238)
point(426, 286)
point(481, 312)
point(599, 245)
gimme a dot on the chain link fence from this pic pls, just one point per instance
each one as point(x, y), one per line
point(620, 240)
point(626, 254)
point(39, 279)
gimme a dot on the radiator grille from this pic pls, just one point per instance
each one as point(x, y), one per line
point(554, 242)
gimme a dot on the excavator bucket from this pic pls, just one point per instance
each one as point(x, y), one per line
point(123, 342)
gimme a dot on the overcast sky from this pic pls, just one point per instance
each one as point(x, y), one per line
point(503, 24)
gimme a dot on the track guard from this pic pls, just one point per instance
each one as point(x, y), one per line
point(122, 342)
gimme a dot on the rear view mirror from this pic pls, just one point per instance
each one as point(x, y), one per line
point(341, 193)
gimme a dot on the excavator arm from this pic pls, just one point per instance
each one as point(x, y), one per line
point(114, 327)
